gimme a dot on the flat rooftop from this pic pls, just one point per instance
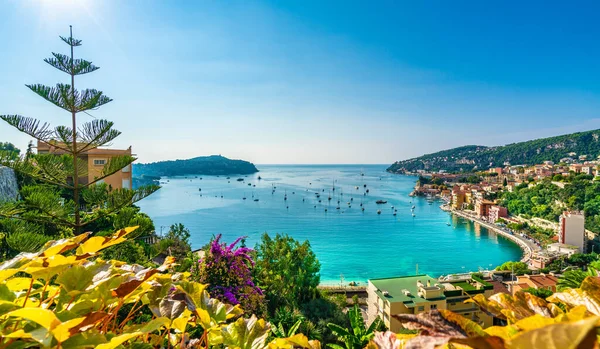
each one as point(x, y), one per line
point(395, 289)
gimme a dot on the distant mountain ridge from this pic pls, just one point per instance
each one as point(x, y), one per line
point(477, 157)
point(202, 165)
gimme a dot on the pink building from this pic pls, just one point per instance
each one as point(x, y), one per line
point(497, 212)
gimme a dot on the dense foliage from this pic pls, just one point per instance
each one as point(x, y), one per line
point(358, 335)
point(227, 269)
point(547, 200)
point(518, 268)
point(472, 157)
point(9, 149)
point(203, 165)
point(287, 271)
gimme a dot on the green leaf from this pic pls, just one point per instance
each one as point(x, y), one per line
point(75, 279)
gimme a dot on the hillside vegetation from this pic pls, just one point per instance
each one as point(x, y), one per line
point(203, 165)
point(475, 157)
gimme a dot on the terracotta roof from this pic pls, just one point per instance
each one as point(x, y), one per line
point(499, 287)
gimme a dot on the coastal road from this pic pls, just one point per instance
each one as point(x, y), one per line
point(528, 246)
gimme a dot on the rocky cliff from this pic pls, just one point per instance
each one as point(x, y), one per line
point(9, 190)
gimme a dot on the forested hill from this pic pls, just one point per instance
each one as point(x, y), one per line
point(203, 165)
point(474, 157)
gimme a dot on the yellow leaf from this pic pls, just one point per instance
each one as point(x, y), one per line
point(60, 246)
point(118, 340)
point(97, 243)
point(181, 322)
point(42, 317)
point(19, 284)
point(588, 295)
point(6, 273)
point(534, 322)
point(573, 335)
point(504, 332)
point(17, 334)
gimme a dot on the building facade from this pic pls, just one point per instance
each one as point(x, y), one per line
point(421, 293)
point(96, 159)
point(571, 230)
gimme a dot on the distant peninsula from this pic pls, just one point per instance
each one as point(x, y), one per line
point(202, 165)
point(580, 145)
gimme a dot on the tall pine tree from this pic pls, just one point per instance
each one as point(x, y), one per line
point(77, 203)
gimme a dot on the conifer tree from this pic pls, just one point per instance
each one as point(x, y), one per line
point(81, 203)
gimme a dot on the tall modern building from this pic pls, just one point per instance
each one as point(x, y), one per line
point(571, 230)
point(96, 159)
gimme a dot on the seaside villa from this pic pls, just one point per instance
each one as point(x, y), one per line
point(422, 293)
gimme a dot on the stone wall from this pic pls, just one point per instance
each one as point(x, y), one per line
point(9, 190)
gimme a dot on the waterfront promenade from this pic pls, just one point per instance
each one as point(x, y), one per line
point(528, 247)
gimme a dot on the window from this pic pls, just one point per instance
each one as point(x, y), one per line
point(421, 308)
point(126, 168)
point(126, 184)
point(98, 162)
point(433, 306)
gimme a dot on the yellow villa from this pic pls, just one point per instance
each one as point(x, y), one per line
point(96, 159)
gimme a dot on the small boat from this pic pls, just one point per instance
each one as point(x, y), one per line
point(380, 202)
point(199, 189)
point(228, 177)
point(413, 215)
point(249, 184)
point(240, 179)
point(448, 224)
point(337, 208)
point(367, 190)
point(362, 209)
point(395, 213)
point(244, 198)
point(378, 211)
point(259, 178)
point(325, 210)
point(256, 200)
point(413, 207)
point(392, 207)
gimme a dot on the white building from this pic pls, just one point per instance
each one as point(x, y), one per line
point(571, 230)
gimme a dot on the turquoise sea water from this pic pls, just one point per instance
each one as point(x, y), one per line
point(358, 245)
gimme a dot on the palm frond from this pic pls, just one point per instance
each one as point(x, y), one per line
point(71, 41)
point(97, 133)
point(70, 66)
point(33, 127)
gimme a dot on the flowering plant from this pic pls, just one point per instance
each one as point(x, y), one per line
point(227, 270)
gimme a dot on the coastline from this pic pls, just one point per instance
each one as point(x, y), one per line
point(526, 246)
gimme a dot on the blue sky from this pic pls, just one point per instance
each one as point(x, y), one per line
point(312, 81)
